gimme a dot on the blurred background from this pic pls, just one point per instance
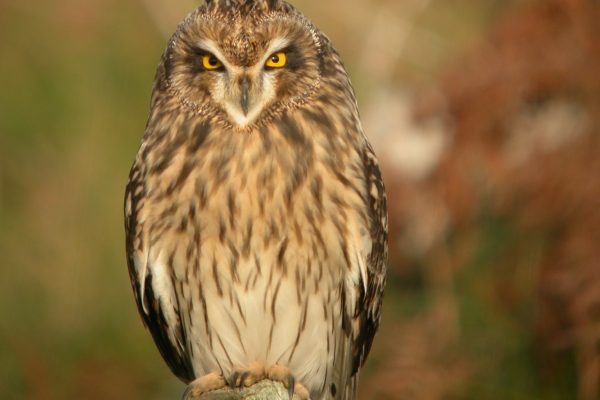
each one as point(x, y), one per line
point(485, 115)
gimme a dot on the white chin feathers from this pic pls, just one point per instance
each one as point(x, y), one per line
point(238, 117)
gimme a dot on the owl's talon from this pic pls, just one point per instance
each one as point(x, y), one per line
point(238, 379)
point(242, 379)
point(204, 384)
point(291, 386)
point(249, 377)
point(233, 379)
point(281, 374)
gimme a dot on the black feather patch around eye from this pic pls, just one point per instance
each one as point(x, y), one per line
point(194, 59)
point(295, 60)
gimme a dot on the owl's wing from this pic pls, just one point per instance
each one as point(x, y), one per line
point(369, 294)
point(363, 289)
point(152, 285)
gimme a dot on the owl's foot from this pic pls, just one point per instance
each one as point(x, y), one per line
point(277, 373)
point(204, 384)
point(247, 377)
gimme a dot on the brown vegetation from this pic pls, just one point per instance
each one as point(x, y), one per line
point(523, 117)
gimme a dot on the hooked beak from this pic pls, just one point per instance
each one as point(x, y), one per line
point(244, 89)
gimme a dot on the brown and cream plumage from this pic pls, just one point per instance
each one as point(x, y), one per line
point(255, 212)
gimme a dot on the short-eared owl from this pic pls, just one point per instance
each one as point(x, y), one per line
point(255, 212)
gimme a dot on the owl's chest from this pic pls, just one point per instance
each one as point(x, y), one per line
point(260, 194)
point(230, 184)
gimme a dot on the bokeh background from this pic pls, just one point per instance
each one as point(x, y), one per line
point(486, 117)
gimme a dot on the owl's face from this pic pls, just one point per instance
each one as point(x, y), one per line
point(243, 66)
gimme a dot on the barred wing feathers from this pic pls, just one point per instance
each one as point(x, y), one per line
point(153, 286)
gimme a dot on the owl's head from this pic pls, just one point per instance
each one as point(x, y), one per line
point(244, 60)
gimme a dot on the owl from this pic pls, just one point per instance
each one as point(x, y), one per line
point(255, 212)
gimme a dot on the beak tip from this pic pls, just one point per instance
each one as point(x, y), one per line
point(244, 100)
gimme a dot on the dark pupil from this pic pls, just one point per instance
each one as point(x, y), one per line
point(213, 61)
point(275, 59)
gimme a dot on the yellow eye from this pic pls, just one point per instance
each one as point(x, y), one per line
point(277, 60)
point(211, 63)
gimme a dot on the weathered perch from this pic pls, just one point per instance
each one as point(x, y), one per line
point(264, 390)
